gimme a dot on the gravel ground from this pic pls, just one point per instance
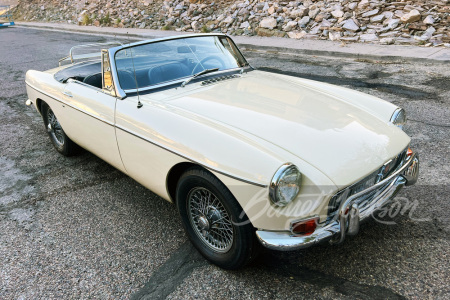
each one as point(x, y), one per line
point(78, 228)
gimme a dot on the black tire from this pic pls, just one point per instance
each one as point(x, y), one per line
point(62, 143)
point(234, 252)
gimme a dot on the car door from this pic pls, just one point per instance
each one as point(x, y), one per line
point(91, 120)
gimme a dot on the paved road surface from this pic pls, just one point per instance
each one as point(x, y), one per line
point(78, 228)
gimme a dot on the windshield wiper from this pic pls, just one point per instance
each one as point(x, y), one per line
point(205, 71)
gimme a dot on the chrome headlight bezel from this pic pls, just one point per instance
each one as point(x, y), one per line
point(399, 118)
point(277, 182)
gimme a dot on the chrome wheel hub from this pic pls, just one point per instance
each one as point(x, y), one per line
point(210, 220)
point(203, 223)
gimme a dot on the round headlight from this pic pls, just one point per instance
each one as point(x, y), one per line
point(285, 185)
point(399, 118)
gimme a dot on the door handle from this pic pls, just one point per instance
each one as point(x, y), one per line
point(68, 94)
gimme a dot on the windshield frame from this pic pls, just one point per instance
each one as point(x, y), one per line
point(122, 93)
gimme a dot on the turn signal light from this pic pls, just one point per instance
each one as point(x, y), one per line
point(306, 227)
point(409, 152)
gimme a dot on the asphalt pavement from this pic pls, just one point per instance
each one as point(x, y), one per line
point(77, 228)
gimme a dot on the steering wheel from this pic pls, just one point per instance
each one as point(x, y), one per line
point(212, 57)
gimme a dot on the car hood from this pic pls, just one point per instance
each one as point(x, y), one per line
point(339, 138)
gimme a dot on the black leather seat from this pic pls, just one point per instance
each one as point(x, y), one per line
point(126, 80)
point(167, 72)
point(94, 80)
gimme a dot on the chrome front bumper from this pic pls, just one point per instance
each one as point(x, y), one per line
point(350, 213)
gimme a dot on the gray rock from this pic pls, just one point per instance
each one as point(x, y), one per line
point(245, 24)
point(427, 34)
point(387, 41)
point(350, 25)
point(299, 12)
point(304, 21)
point(429, 20)
point(313, 13)
point(334, 35)
point(350, 38)
point(337, 13)
point(352, 5)
point(412, 16)
point(368, 37)
point(269, 23)
point(297, 35)
point(228, 20)
point(393, 23)
point(290, 26)
point(370, 13)
point(377, 19)
point(195, 25)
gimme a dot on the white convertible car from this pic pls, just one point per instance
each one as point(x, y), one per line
point(250, 158)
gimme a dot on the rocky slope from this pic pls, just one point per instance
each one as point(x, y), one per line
point(422, 22)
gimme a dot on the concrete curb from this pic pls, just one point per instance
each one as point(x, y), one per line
point(271, 45)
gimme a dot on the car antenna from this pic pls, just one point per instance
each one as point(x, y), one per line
point(139, 105)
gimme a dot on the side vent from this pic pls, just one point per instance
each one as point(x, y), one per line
point(221, 78)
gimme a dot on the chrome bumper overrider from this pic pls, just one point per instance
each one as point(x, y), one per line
point(351, 212)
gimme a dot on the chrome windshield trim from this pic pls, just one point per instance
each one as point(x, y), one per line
point(112, 63)
point(176, 37)
point(121, 93)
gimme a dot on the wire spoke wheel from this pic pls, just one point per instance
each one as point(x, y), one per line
point(210, 220)
point(54, 128)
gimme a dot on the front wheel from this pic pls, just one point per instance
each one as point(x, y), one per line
point(62, 143)
point(214, 221)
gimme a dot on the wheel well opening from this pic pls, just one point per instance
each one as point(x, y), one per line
point(38, 104)
point(174, 175)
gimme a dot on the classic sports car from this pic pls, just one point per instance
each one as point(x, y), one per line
point(250, 158)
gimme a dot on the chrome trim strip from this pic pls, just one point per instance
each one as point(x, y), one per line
point(188, 158)
point(112, 64)
point(129, 45)
point(149, 141)
point(85, 46)
point(71, 106)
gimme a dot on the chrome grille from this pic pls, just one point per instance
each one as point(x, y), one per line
point(383, 172)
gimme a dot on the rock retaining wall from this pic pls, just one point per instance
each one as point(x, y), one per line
point(387, 22)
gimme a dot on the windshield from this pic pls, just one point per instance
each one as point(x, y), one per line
point(155, 63)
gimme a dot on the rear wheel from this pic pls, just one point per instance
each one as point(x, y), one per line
point(62, 143)
point(214, 221)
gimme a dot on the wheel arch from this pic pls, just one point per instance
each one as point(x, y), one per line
point(39, 102)
point(174, 176)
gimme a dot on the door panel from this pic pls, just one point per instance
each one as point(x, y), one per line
point(145, 162)
point(89, 121)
